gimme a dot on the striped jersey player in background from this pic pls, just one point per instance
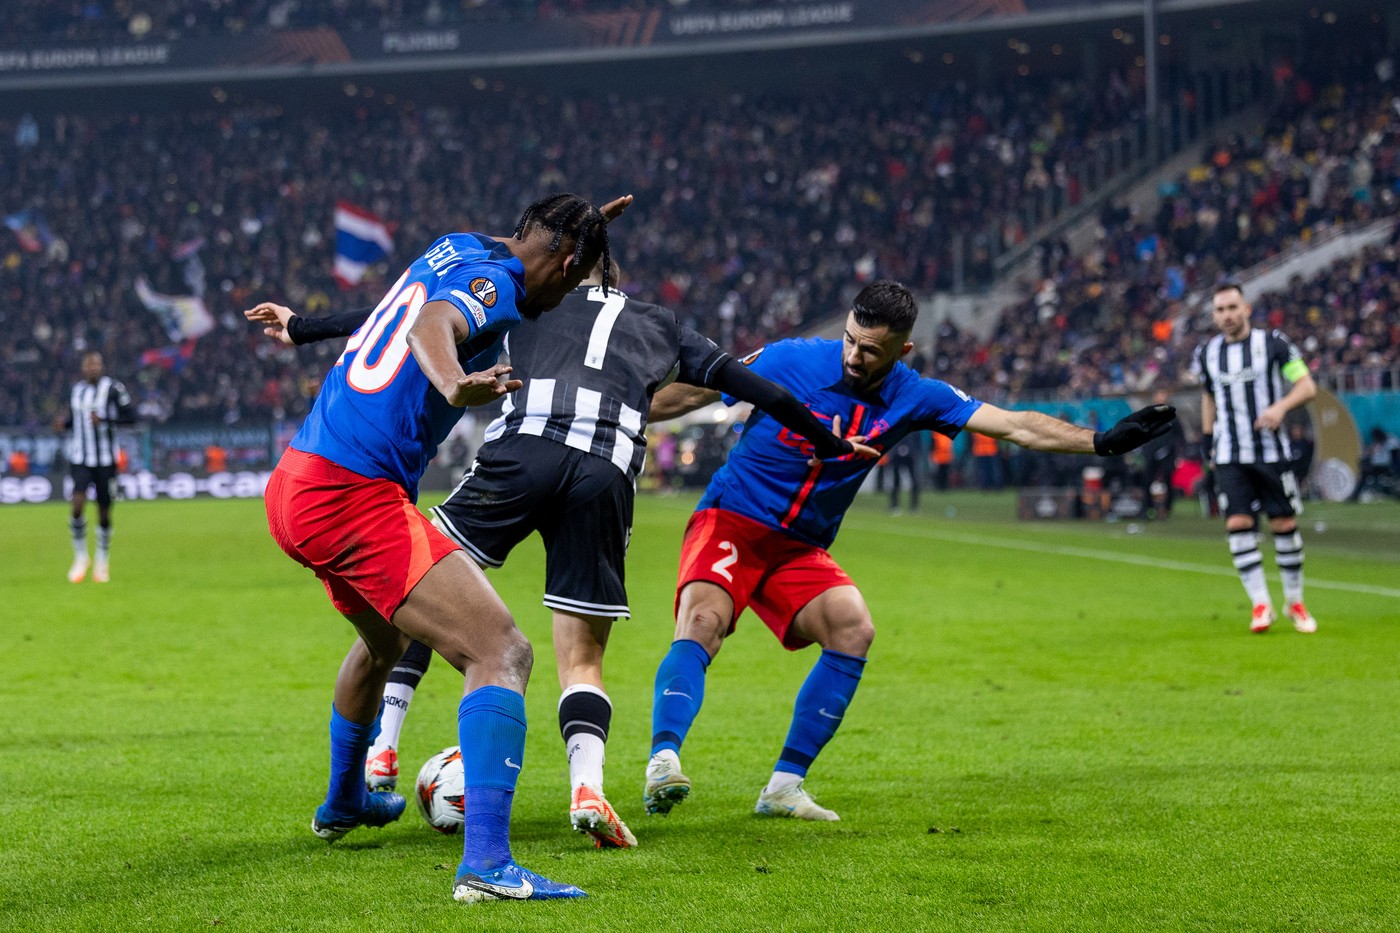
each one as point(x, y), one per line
point(96, 404)
point(563, 460)
point(1250, 379)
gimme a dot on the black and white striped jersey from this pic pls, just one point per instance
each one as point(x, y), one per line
point(1245, 378)
point(590, 367)
point(93, 444)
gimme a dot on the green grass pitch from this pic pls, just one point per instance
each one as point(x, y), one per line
point(1063, 727)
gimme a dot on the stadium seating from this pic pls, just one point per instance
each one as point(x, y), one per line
point(754, 214)
point(1116, 317)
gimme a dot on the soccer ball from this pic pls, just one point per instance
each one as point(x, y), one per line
point(440, 790)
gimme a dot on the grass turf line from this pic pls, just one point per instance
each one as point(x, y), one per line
point(1041, 742)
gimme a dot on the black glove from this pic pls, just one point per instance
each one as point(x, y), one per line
point(1208, 450)
point(1143, 425)
point(830, 446)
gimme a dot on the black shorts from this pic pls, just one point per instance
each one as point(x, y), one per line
point(1250, 488)
point(580, 504)
point(104, 478)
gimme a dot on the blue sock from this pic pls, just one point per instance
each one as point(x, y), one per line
point(680, 689)
point(491, 731)
point(821, 703)
point(346, 796)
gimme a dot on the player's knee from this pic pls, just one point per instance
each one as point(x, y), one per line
point(704, 624)
point(850, 633)
point(1241, 523)
point(1284, 525)
point(517, 655)
point(384, 654)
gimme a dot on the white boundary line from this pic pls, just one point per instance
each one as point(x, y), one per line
point(1111, 556)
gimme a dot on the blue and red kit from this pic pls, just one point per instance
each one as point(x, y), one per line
point(767, 478)
point(378, 415)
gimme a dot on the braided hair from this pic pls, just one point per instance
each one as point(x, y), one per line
point(568, 215)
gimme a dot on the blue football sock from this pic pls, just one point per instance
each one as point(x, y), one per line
point(821, 703)
point(680, 689)
point(346, 796)
point(491, 731)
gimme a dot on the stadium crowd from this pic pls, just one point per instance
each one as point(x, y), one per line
point(754, 214)
point(1124, 314)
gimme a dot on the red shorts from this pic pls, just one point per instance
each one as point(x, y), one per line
point(761, 569)
point(363, 537)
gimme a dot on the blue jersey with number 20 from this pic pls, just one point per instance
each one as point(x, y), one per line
point(378, 414)
point(767, 477)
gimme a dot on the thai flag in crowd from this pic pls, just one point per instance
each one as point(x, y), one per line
point(185, 316)
point(361, 239)
point(172, 358)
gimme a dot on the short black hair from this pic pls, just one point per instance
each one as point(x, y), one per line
point(886, 304)
point(1229, 285)
point(570, 216)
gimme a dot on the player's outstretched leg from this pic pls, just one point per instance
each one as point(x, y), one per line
point(585, 713)
point(678, 694)
point(491, 728)
point(382, 759)
point(348, 804)
point(820, 706)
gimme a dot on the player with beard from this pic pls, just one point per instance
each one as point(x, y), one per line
point(760, 534)
point(563, 459)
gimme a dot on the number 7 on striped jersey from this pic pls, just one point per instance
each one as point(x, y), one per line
point(602, 326)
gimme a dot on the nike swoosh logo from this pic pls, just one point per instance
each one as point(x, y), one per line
point(823, 712)
point(521, 893)
point(676, 693)
point(511, 764)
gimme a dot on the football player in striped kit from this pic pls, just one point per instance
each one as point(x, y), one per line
point(96, 404)
point(1251, 378)
point(562, 459)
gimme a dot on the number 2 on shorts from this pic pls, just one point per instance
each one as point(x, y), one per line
point(722, 565)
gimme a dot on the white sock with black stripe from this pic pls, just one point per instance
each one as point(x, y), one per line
point(77, 530)
point(1288, 552)
point(1249, 563)
point(585, 713)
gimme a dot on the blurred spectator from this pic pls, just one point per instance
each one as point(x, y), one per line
point(1380, 463)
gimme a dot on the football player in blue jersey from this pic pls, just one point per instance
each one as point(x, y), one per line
point(551, 464)
point(341, 502)
point(760, 534)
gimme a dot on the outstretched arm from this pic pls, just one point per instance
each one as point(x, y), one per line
point(680, 399)
point(742, 383)
point(1038, 431)
point(286, 326)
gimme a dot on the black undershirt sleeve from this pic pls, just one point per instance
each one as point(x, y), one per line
point(311, 329)
point(736, 379)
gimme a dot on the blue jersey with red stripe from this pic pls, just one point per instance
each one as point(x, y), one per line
point(378, 414)
point(767, 477)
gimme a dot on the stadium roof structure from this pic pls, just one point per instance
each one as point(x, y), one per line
point(613, 36)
